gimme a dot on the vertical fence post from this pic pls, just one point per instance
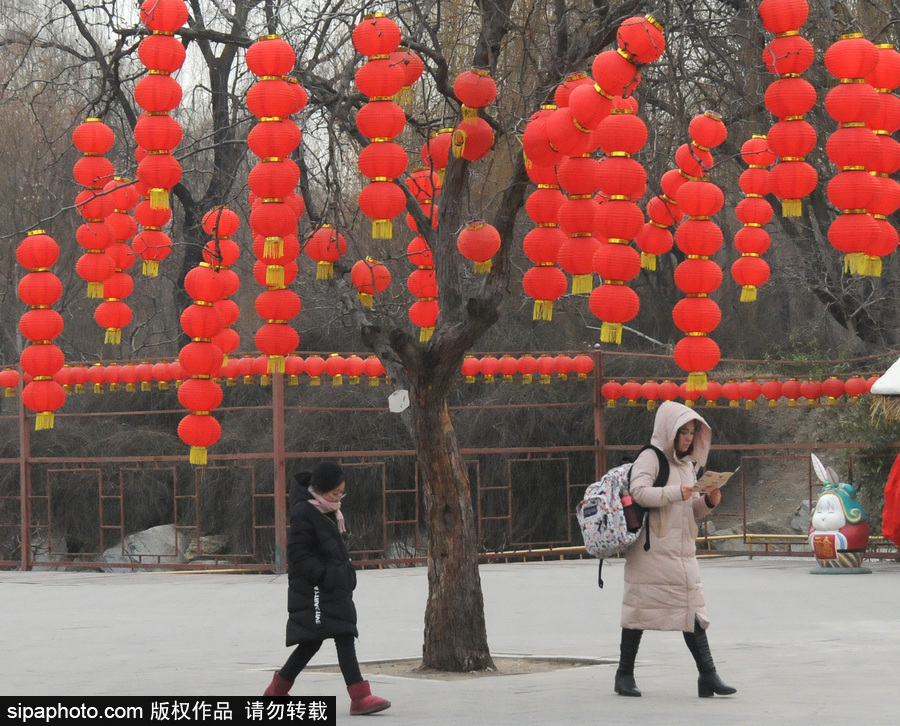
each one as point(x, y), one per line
point(599, 418)
point(24, 477)
point(279, 467)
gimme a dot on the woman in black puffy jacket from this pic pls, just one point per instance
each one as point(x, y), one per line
point(321, 581)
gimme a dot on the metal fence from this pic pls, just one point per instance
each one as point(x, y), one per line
point(125, 510)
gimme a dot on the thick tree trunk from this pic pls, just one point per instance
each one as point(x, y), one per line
point(455, 630)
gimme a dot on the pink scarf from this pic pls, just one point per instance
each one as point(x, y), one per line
point(326, 505)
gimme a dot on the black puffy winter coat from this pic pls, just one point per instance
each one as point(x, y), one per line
point(321, 578)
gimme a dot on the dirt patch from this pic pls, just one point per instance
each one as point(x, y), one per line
point(505, 666)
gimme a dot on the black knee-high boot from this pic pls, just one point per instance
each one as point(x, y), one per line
point(631, 640)
point(709, 682)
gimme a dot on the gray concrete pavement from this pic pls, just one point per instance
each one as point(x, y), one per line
point(801, 649)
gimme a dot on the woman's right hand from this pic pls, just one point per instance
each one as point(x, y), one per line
point(686, 492)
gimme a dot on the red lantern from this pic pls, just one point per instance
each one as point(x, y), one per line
point(325, 246)
point(381, 201)
point(376, 35)
point(811, 390)
point(782, 16)
point(369, 276)
point(833, 388)
point(615, 74)
point(697, 354)
point(615, 305)
point(472, 139)
point(475, 88)
point(479, 242)
point(335, 366)
point(641, 39)
point(374, 369)
point(270, 56)
point(611, 391)
point(424, 314)
point(527, 367)
point(545, 283)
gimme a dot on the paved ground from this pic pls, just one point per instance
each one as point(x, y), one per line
point(801, 649)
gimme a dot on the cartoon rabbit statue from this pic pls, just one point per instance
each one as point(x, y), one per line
point(839, 532)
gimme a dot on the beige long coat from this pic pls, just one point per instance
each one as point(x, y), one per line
point(662, 585)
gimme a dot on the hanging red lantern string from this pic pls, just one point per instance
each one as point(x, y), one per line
point(156, 132)
point(750, 271)
point(884, 122)
point(422, 283)
point(276, 207)
point(202, 361)
point(699, 238)
point(545, 282)
point(380, 79)
point(851, 148)
point(220, 253)
point(622, 179)
point(41, 360)
point(93, 171)
point(789, 98)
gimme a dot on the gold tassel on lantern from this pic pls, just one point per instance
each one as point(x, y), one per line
point(748, 293)
point(424, 336)
point(648, 261)
point(275, 276)
point(113, 336)
point(469, 112)
point(791, 208)
point(543, 310)
point(159, 198)
point(366, 299)
point(696, 381)
point(324, 270)
point(276, 364)
point(198, 455)
point(44, 421)
point(483, 268)
point(273, 247)
point(95, 290)
point(382, 229)
point(611, 333)
point(150, 268)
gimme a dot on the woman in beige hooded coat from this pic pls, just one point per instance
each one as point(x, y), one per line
point(662, 583)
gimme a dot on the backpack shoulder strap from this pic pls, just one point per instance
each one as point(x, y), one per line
point(662, 476)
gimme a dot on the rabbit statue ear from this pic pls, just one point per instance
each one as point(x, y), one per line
point(819, 468)
point(833, 477)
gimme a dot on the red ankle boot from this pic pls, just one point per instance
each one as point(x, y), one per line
point(279, 686)
point(362, 701)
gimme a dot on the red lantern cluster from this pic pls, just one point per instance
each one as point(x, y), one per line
point(750, 271)
point(276, 205)
point(380, 120)
point(369, 277)
point(41, 360)
point(156, 132)
point(789, 98)
point(201, 360)
point(94, 171)
point(473, 137)
point(851, 148)
point(699, 238)
point(884, 122)
point(620, 220)
point(221, 253)
point(545, 282)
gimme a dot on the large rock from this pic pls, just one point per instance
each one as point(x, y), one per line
point(154, 545)
point(801, 520)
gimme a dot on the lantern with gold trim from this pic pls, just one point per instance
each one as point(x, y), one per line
point(750, 271)
point(369, 277)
